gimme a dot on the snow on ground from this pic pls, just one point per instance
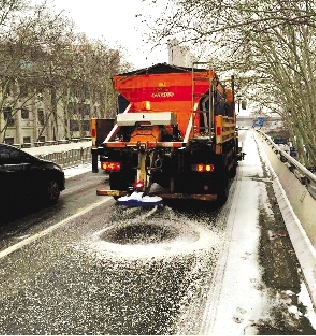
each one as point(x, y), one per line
point(305, 299)
point(242, 298)
point(82, 168)
point(303, 295)
point(249, 303)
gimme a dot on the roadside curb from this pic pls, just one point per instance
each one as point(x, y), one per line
point(304, 250)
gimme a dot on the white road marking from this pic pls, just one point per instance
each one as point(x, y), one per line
point(45, 232)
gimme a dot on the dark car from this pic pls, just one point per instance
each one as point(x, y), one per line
point(25, 178)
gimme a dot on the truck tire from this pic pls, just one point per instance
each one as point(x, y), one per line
point(117, 181)
point(233, 171)
point(94, 160)
point(223, 191)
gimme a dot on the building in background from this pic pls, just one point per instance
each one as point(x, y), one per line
point(179, 55)
point(38, 105)
point(34, 120)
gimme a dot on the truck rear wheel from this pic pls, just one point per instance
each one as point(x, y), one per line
point(117, 181)
point(233, 171)
point(223, 191)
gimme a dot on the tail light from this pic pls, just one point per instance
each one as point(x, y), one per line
point(111, 166)
point(139, 185)
point(203, 167)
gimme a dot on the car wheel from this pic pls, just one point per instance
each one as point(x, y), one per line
point(52, 192)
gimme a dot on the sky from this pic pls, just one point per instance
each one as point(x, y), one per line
point(119, 23)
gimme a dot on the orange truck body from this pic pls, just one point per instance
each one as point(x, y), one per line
point(167, 92)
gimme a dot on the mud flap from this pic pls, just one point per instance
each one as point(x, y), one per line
point(137, 199)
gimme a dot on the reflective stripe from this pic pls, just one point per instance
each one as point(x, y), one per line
point(107, 192)
point(93, 131)
point(147, 144)
point(219, 128)
point(202, 197)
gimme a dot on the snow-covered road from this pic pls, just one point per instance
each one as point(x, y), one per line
point(89, 267)
point(242, 297)
point(239, 299)
point(77, 170)
point(243, 301)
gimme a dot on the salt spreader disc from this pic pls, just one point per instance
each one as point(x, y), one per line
point(136, 199)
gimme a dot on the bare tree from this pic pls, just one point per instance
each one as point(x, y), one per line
point(43, 60)
point(270, 45)
point(31, 40)
point(95, 66)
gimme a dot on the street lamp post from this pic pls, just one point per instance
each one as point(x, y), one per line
point(239, 98)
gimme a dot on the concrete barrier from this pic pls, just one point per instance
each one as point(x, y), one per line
point(299, 191)
point(305, 176)
point(298, 209)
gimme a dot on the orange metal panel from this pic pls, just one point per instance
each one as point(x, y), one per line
point(168, 92)
point(229, 95)
point(107, 192)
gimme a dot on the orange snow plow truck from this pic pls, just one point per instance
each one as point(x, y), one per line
point(176, 139)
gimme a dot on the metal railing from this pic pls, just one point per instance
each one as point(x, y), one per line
point(307, 178)
point(50, 142)
point(69, 158)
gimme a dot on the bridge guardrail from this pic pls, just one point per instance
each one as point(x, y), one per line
point(307, 178)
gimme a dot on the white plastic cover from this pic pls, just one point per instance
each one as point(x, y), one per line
point(155, 118)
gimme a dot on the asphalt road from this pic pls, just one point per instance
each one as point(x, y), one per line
point(86, 266)
point(68, 281)
point(57, 276)
point(26, 219)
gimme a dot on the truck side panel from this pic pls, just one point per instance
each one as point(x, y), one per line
point(100, 128)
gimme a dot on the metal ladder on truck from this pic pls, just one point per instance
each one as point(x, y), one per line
point(207, 116)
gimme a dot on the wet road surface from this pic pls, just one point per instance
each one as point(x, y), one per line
point(26, 219)
point(67, 283)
